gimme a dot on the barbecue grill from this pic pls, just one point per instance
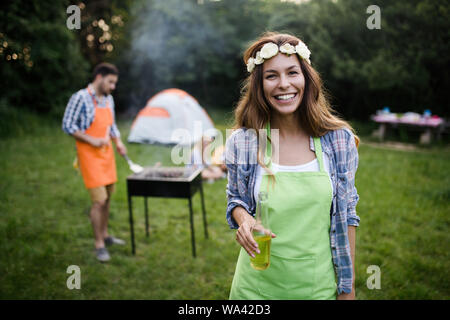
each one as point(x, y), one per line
point(166, 182)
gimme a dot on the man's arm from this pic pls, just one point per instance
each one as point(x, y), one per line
point(72, 114)
point(121, 149)
point(114, 132)
point(100, 142)
point(95, 142)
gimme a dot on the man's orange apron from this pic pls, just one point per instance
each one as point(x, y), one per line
point(98, 165)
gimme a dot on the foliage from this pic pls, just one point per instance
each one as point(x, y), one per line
point(197, 46)
point(193, 47)
point(40, 60)
point(44, 227)
point(399, 65)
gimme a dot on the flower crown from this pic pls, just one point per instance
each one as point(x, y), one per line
point(270, 49)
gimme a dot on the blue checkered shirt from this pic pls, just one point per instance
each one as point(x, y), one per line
point(80, 112)
point(339, 145)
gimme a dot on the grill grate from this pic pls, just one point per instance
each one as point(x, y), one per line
point(168, 182)
point(166, 173)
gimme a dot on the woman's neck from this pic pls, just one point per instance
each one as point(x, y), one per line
point(288, 125)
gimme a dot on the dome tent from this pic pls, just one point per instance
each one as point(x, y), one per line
point(165, 113)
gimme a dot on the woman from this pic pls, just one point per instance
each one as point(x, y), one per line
point(309, 173)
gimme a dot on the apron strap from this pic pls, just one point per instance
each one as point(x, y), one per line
point(317, 145)
point(96, 106)
point(92, 97)
point(319, 153)
point(268, 153)
point(94, 100)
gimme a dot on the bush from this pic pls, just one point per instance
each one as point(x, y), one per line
point(41, 60)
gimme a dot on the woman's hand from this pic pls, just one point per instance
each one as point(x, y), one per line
point(244, 234)
point(347, 296)
point(245, 238)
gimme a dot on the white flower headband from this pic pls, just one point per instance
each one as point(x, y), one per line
point(270, 49)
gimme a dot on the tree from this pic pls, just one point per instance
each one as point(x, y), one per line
point(41, 64)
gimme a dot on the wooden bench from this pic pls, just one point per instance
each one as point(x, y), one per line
point(431, 127)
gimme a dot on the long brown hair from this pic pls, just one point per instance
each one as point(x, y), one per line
point(315, 113)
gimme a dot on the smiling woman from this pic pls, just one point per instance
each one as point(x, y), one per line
point(311, 166)
point(283, 83)
point(253, 110)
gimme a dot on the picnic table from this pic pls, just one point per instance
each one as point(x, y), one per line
point(431, 126)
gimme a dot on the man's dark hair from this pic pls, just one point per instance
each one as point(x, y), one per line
point(104, 69)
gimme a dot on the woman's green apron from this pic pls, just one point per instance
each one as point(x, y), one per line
point(301, 264)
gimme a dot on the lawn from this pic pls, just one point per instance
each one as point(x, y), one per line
point(44, 227)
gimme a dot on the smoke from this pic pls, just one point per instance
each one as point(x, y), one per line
point(175, 43)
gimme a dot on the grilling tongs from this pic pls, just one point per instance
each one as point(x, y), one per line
point(133, 166)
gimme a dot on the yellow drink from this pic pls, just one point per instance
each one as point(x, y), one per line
point(261, 261)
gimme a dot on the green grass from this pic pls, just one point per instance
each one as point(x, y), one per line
point(44, 227)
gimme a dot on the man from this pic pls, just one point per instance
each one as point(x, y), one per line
point(89, 118)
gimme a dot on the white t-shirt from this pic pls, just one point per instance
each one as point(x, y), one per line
point(310, 166)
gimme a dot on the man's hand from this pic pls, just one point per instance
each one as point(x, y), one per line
point(98, 142)
point(121, 149)
point(95, 142)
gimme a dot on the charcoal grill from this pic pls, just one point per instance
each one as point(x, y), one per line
point(166, 182)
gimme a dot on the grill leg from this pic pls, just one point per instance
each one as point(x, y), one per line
point(205, 224)
point(130, 210)
point(146, 216)
point(191, 217)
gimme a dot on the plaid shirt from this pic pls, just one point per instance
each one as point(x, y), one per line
point(80, 112)
point(339, 145)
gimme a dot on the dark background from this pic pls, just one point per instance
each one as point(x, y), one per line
point(197, 46)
